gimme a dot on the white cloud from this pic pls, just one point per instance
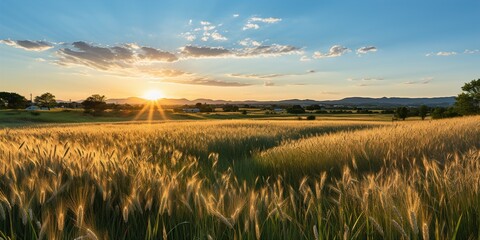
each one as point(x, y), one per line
point(204, 23)
point(442, 54)
point(37, 46)
point(252, 22)
point(251, 26)
point(247, 42)
point(305, 59)
point(364, 50)
point(265, 20)
point(218, 37)
point(335, 51)
point(236, 15)
point(467, 51)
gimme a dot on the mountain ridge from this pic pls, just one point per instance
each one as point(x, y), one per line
point(349, 101)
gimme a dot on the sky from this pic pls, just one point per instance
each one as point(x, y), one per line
point(239, 50)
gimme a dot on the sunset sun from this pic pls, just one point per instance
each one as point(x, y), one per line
point(153, 95)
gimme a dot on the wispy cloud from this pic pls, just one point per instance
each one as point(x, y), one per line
point(236, 15)
point(442, 54)
point(467, 51)
point(28, 45)
point(335, 51)
point(364, 50)
point(209, 82)
point(253, 22)
point(265, 20)
point(305, 59)
point(268, 76)
point(366, 79)
point(424, 80)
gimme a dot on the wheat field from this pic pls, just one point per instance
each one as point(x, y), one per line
point(242, 179)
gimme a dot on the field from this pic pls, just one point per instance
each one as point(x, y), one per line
point(242, 179)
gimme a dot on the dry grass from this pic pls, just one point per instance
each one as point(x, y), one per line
point(179, 181)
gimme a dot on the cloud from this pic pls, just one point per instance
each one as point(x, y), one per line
point(37, 46)
point(218, 37)
point(209, 82)
point(364, 50)
point(157, 55)
point(443, 54)
point(251, 26)
point(366, 79)
point(200, 52)
point(252, 22)
point(335, 51)
point(268, 84)
point(305, 59)
point(467, 51)
point(255, 51)
point(205, 31)
point(269, 50)
point(107, 58)
point(236, 15)
point(247, 42)
point(424, 80)
point(268, 76)
point(265, 20)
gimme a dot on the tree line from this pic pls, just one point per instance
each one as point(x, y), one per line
point(466, 103)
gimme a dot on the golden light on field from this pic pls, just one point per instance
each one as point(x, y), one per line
point(153, 95)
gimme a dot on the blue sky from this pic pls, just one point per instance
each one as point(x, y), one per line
point(239, 50)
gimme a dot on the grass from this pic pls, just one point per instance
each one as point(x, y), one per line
point(242, 179)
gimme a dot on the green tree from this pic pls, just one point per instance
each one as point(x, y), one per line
point(468, 102)
point(46, 100)
point(295, 109)
point(423, 111)
point(95, 104)
point(401, 112)
point(12, 100)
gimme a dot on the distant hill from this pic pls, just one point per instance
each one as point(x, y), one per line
point(350, 101)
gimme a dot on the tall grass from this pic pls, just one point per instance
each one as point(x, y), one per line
point(181, 181)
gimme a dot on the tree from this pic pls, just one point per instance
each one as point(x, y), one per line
point(422, 111)
point(12, 100)
point(401, 112)
point(46, 100)
point(95, 104)
point(230, 108)
point(468, 102)
point(295, 109)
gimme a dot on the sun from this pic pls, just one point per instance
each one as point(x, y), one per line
point(153, 95)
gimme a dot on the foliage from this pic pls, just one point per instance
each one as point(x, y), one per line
point(468, 102)
point(401, 112)
point(423, 111)
point(95, 104)
point(230, 108)
point(295, 109)
point(12, 100)
point(311, 117)
point(440, 112)
point(46, 100)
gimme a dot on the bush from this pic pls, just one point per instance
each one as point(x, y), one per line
point(311, 117)
point(35, 113)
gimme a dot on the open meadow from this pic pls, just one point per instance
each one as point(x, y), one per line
point(242, 179)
